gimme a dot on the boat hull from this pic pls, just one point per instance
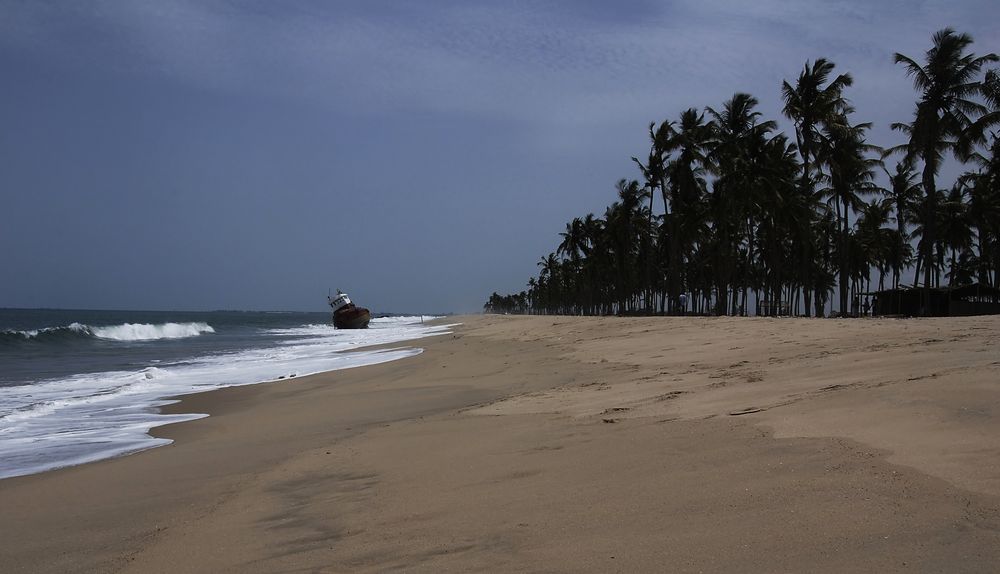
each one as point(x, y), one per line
point(352, 318)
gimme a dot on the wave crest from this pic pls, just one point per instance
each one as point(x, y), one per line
point(147, 332)
point(123, 332)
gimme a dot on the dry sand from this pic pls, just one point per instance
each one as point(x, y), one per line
point(557, 444)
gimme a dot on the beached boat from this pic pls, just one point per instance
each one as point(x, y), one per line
point(347, 315)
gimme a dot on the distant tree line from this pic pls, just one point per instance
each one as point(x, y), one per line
point(734, 215)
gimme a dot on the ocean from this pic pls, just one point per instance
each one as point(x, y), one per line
point(79, 386)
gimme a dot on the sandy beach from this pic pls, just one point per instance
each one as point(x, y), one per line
point(564, 444)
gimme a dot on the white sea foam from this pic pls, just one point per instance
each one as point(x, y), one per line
point(123, 332)
point(147, 332)
point(86, 417)
point(326, 329)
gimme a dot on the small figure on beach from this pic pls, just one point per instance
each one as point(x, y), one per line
point(683, 303)
point(867, 307)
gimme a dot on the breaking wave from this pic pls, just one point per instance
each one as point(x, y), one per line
point(123, 332)
point(72, 419)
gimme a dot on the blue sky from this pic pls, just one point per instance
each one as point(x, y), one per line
point(251, 155)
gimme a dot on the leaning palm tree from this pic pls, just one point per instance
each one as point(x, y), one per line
point(947, 83)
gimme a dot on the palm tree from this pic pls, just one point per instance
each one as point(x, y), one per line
point(574, 241)
point(984, 213)
point(624, 225)
point(531, 295)
point(904, 195)
point(777, 208)
point(742, 214)
point(573, 245)
point(737, 133)
point(956, 230)
point(851, 175)
point(687, 189)
point(813, 106)
point(549, 282)
point(876, 241)
point(947, 82)
point(654, 171)
point(984, 187)
point(595, 264)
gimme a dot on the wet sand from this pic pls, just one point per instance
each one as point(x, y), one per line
point(565, 444)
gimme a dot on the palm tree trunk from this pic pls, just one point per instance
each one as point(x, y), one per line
point(843, 281)
point(996, 263)
point(807, 251)
point(807, 299)
point(673, 278)
point(930, 212)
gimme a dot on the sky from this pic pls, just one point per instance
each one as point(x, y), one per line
point(198, 155)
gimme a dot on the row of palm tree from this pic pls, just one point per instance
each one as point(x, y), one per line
point(749, 218)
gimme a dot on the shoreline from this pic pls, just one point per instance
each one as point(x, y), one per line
point(567, 444)
point(215, 400)
point(105, 414)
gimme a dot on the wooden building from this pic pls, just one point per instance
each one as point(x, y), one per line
point(965, 300)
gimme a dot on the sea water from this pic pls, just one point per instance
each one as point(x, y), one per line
point(79, 386)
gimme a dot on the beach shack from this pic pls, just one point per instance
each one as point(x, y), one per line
point(957, 301)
